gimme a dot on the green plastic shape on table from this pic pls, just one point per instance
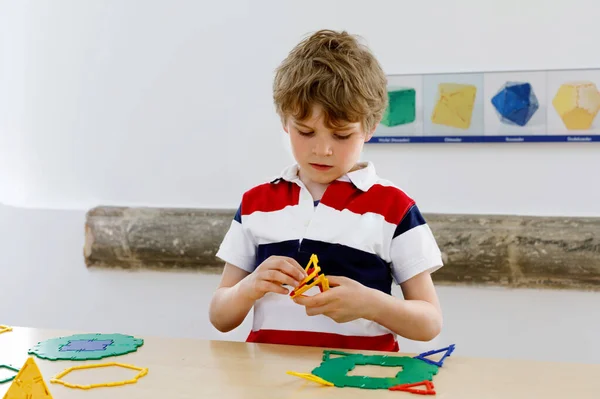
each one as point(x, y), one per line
point(335, 370)
point(8, 379)
point(86, 347)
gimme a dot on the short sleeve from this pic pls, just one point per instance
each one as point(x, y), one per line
point(413, 249)
point(237, 247)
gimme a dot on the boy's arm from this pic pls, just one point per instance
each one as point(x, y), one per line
point(239, 290)
point(417, 316)
point(228, 308)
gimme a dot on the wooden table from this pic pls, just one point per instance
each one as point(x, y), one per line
point(187, 368)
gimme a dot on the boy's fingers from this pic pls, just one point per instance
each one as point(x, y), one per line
point(315, 300)
point(318, 310)
point(268, 286)
point(277, 276)
point(335, 281)
point(293, 269)
point(296, 265)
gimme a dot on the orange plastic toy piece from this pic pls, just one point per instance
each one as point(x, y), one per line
point(28, 383)
point(58, 380)
point(314, 278)
point(429, 388)
point(4, 329)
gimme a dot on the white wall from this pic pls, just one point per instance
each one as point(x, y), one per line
point(158, 103)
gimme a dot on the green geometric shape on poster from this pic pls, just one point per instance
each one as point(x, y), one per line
point(402, 107)
point(86, 347)
point(335, 370)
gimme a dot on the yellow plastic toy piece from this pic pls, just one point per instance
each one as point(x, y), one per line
point(577, 104)
point(28, 383)
point(454, 105)
point(58, 378)
point(311, 377)
point(4, 329)
point(314, 275)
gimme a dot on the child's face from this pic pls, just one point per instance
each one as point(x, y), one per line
point(325, 154)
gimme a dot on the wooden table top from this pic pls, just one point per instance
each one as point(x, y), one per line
point(195, 368)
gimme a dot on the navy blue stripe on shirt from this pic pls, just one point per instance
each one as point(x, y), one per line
point(238, 215)
point(411, 219)
point(335, 260)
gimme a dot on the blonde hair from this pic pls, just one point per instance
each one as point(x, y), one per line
point(333, 70)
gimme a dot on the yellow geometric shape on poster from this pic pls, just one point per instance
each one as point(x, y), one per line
point(4, 329)
point(577, 104)
point(28, 383)
point(311, 377)
point(454, 105)
point(58, 378)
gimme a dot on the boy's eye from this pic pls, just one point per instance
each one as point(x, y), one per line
point(305, 133)
point(343, 136)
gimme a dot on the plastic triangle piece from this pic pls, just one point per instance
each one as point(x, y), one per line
point(412, 388)
point(28, 383)
point(312, 279)
point(439, 363)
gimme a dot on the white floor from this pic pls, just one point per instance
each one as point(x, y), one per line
point(44, 283)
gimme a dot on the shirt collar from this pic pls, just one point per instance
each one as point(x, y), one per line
point(363, 178)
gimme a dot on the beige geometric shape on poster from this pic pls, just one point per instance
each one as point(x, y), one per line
point(577, 104)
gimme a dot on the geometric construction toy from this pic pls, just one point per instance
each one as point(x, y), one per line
point(28, 383)
point(4, 366)
point(313, 278)
point(439, 363)
point(58, 378)
point(515, 103)
point(454, 105)
point(577, 104)
point(401, 107)
point(4, 329)
point(416, 371)
point(412, 388)
point(86, 346)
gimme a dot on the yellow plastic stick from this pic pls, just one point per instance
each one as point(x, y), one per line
point(4, 329)
point(321, 280)
point(58, 378)
point(310, 377)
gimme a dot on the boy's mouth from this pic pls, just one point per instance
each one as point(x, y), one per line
point(321, 167)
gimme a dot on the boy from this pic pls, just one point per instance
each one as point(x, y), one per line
point(330, 93)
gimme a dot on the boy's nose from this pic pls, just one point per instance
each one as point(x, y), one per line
point(322, 148)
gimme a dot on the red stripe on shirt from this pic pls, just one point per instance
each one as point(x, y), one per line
point(385, 342)
point(270, 197)
point(387, 201)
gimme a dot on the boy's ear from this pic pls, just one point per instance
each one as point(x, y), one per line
point(284, 125)
point(370, 134)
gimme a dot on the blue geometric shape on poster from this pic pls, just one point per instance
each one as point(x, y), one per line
point(439, 363)
point(515, 103)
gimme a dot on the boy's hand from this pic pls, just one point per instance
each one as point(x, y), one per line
point(345, 301)
point(271, 275)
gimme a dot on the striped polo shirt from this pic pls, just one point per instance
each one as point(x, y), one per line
point(363, 228)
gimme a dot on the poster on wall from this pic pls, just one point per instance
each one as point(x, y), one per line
point(494, 107)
